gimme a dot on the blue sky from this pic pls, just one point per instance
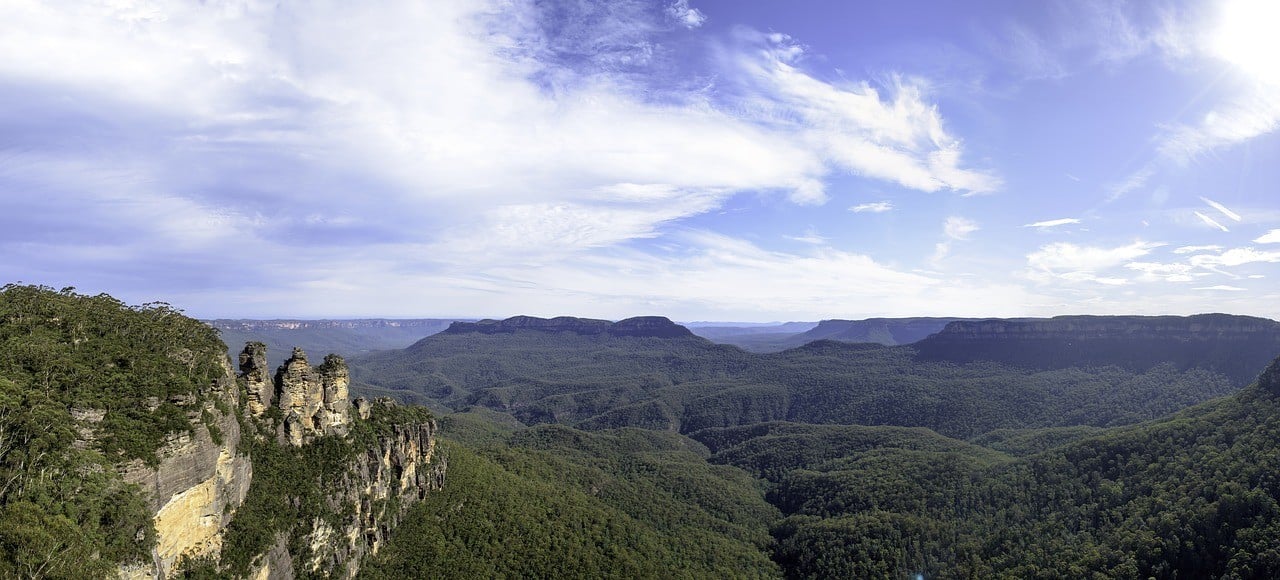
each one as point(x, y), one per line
point(704, 160)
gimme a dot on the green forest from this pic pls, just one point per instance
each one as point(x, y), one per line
point(589, 456)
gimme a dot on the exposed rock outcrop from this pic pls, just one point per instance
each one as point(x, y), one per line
point(381, 485)
point(378, 487)
point(640, 326)
point(202, 478)
point(199, 483)
point(1236, 346)
point(313, 400)
point(257, 379)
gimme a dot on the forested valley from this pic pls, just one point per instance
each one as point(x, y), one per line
point(582, 449)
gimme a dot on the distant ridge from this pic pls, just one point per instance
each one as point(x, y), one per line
point(639, 326)
point(1236, 346)
point(886, 331)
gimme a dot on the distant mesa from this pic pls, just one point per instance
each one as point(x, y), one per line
point(640, 326)
point(1236, 346)
point(886, 331)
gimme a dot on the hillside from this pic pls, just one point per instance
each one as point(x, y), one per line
point(577, 372)
point(755, 338)
point(551, 501)
point(1191, 495)
point(130, 448)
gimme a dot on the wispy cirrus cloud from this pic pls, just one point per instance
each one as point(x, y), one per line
point(1210, 221)
point(872, 207)
point(955, 228)
point(1222, 209)
point(1049, 224)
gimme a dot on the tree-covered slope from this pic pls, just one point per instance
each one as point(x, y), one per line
point(595, 380)
point(86, 383)
point(554, 502)
point(1194, 495)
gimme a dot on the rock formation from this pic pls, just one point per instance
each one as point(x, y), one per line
point(199, 483)
point(203, 478)
point(313, 400)
point(258, 385)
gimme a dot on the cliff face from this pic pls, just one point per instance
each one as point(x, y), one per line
point(640, 326)
point(886, 331)
point(313, 400)
point(200, 481)
point(378, 488)
point(1236, 346)
point(367, 495)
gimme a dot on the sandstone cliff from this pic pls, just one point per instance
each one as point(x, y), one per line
point(373, 494)
point(203, 479)
point(199, 483)
point(1236, 346)
point(388, 461)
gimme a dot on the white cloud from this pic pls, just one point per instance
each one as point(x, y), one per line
point(1152, 271)
point(1210, 221)
point(1133, 182)
point(897, 137)
point(1071, 262)
point(1242, 118)
point(450, 133)
point(1235, 257)
point(1196, 249)
point(1052, 223)
point(1271, 237)
point(959, 228)
point(955, 228)
point(686, 16)
point(1221, 287)
point(875, 207)
point(1224, 210)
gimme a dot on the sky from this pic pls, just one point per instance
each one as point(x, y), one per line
point(699, 159)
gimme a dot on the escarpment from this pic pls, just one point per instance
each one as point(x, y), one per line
point(345, 481)
point(342, 481)
point(639, 326)
point(199, 482)
point(1235, 346)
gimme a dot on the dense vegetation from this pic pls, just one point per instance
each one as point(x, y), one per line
point(689, 384)
point(291, 487)
point(65, 512)
point(1193, 495)
point(830, 460)
point(555, 502)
